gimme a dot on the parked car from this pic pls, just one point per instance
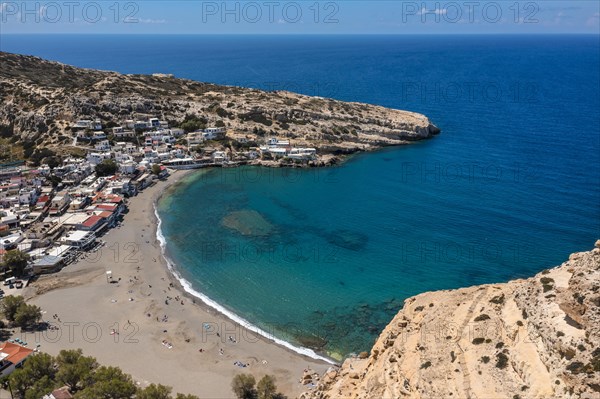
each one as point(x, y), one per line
point(19, 284)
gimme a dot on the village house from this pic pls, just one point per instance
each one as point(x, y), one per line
point(102, 146)
point(302, 153)
point(8, 220)
point(219, 157)
point(99, 135)
point(60, 393)
point(88, 124)
point(59, 204)
point(95, 158)
point(11, 241)
point(11, 357)
point(141, 125)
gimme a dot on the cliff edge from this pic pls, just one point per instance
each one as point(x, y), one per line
point(533, 338)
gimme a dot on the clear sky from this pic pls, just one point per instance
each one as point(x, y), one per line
point(300, 17)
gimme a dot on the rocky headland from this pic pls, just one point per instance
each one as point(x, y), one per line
point(532, 338)
point(41, 100)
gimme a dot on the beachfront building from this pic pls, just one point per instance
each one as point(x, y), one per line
point(11, 357)
point(219, 157)
point(302, 153)
point(47, 264)
point(80, 239)
point(143, 181)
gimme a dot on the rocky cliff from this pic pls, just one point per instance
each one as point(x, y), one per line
point(533, 338)
point(40, 101)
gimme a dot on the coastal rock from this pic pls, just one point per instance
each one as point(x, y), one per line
point(532, 338)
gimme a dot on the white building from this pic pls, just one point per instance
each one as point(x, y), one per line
point(153, 122)
point(80, 239)
point(96, 157)
point(12, 356)
point(99, 135)
point(302, 153)
point(102, 145)
point(219, 157)
point(176, 132)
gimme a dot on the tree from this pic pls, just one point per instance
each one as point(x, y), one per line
point(109, 383)
point(36, 374)
point(19, 382)
point(40, 365)
point(266, 387)
point(41, 373)
point(192, 123)
point(156, 169)
point(155, 392)
point(243, 386)
point(108, 167)
point(74, 369)
point(9, 306)
point(40, 388)
point(39, 154)
point(16, 261)
point(28, 315)
point(52, 161)
point(54, 180)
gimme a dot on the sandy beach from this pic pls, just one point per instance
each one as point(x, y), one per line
point(146, 324)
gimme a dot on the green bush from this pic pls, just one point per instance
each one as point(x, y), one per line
point(501, 361)
point(482, 317)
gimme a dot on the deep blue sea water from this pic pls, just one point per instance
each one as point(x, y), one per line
point(510, 187)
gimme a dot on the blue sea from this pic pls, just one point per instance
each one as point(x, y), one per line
point(510, 187)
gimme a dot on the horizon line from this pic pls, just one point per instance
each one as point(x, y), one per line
point(310, 34)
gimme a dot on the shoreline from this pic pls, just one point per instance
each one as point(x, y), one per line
point(188, 288)
point(85, 303)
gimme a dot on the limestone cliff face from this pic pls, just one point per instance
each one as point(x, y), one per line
point(533, 338)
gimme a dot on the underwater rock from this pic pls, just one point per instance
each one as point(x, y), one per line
point(248, 223)
point(348, 239)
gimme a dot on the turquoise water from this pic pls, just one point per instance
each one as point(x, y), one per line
point(324, 257)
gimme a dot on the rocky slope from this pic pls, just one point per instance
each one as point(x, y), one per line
point(40, 100)
point(534, 338)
